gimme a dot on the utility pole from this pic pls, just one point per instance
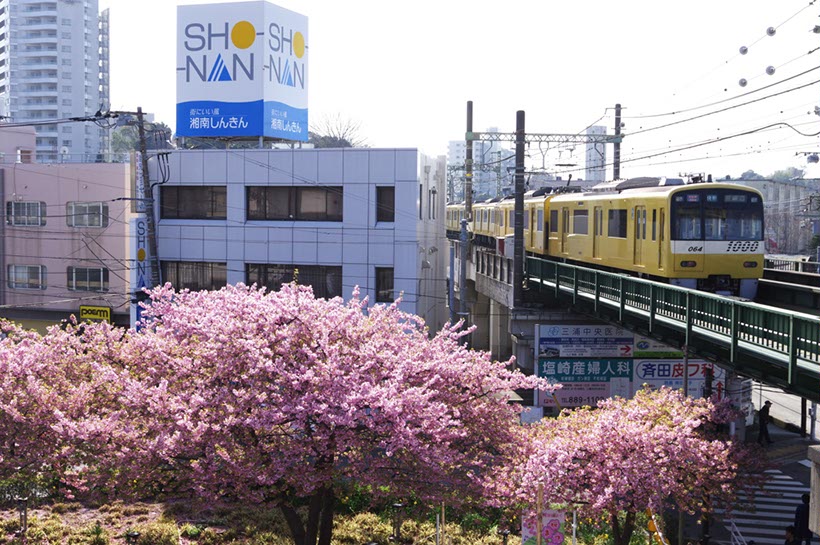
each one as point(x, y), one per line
point(148, 196)
point(464, 238)
point(616, 155)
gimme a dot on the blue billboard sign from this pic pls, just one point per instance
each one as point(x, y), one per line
point(242, 71)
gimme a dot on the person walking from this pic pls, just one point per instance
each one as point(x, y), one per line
point(791, 539)
point(763, 420)
point(801, 521)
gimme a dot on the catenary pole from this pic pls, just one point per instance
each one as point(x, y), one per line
point(518, 229)
point(616, 155)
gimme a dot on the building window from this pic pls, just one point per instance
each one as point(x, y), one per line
point(194, 202)
point(326, 281)
point(87, 279)
point(195, 276)
point(86, 214)
point(25, 213)
point(295, 203)
point(386, 204)
point(28, 277)
point(384, 285)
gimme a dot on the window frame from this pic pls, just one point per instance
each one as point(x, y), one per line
point(11, 274)
point(384, 293)
point(12, 216)
point(71, 214)
point(208, 267)
point(385, 213)
point(72, 282)
point(316, 276)
point(617, 219)
point(283, 203)
point(218, 202)
point(580, 221)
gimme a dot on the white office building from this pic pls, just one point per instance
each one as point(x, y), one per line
point(372, 218)
point(50, 69)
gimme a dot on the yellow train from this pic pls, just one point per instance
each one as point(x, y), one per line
point(701, 235)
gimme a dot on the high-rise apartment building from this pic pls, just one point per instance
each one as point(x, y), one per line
point(50, 68)
point(492, 167)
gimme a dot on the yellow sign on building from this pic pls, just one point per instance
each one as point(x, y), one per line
point(102, 314)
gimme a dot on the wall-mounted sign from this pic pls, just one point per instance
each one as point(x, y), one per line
point(585, 381)
point(584, 341)
point(97, 314)
point(670, 373)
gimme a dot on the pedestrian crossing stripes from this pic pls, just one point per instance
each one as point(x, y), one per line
point(765, 522)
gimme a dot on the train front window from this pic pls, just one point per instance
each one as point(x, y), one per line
point(688, 222)
point(733, 223)
point(717, 214)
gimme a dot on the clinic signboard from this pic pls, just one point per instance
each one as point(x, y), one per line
point(584, 341)
point(242, 71)
point(670, 373)
point(585, 381)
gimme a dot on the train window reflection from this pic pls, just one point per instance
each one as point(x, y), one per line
point(732, 224)
point(688, 223)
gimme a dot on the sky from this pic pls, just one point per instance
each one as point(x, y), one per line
point(404, 71)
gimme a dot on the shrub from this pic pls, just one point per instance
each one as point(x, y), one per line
point(158, 533)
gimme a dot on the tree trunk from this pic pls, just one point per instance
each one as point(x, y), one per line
point(312, 523)
point(326, 526)
point(622, 532)
point(297, 529)
point(319, 523)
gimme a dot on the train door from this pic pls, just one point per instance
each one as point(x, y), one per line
point(597, 231)
point(661, 238)
point(639, 234)
point(564, 229)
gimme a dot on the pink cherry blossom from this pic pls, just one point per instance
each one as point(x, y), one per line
point(656, 450)
point(282, 398)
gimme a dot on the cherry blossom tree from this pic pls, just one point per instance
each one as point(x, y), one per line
point(656, 450)
point(282, 398)
point(55, 395)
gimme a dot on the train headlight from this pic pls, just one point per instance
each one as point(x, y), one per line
point(688, 263)
point(750, 264)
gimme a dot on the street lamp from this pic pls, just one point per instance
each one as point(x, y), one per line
point(397, 520)
point(22, 506)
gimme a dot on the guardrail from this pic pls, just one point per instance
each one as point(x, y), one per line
point(775, 345)
point(792, 265)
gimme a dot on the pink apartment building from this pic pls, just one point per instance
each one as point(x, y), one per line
point(64, 236)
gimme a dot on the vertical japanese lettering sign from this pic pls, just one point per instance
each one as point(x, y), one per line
point(242, 71)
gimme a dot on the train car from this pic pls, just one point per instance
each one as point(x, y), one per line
point(706, 236)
